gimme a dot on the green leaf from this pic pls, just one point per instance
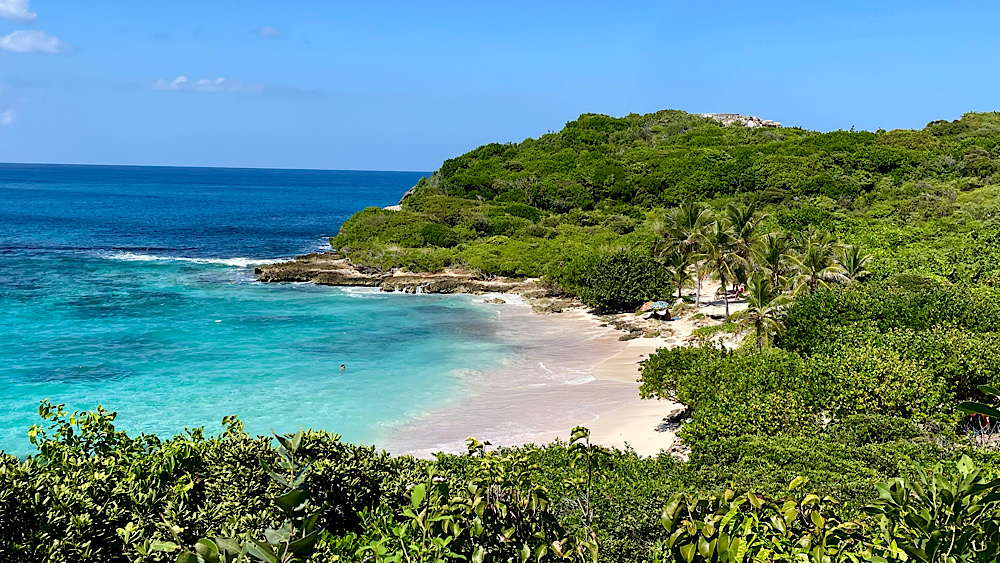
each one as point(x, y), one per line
point(797, 483)
point(168, 546)
point(817, 519)
point(979, 408)
point(280, 479)
point(261, 551)
point(990, 390)
point(705, 548)
point(417, 495)
point(304, 546)
point(228, 545)
point(291, 500)
point(207, 551)
point(285, 443)
point(280, 535)
point(186, 557)
point(309, 524)
point(687, 552)
point(300, 477)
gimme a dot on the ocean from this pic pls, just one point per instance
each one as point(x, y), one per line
point(133, 288)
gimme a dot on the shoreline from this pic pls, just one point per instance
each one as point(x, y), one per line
point(607, 351)
point(540, 411)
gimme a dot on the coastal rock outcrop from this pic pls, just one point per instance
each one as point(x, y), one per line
point(321, 268)
point(327, 268)
point(544, 305)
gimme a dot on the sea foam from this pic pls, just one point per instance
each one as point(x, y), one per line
point(237, 262)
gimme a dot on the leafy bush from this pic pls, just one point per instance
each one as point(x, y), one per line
point(397, 227)
point(435, 234)
point(619, 281)
point(748, 526)
point(941, 515)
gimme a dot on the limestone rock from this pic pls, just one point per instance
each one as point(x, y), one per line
point(749, 121)
point(544, 306)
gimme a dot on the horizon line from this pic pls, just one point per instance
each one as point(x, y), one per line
point(6, 164)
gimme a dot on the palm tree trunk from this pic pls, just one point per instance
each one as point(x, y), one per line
point(725, 296)
point(697, 297)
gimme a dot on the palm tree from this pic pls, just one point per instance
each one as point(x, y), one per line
point(816, 262)
point(679, 266)
point(771, 256)
point(765, 309)
point(854, 263)
point(721, 255)
point(811, 235)
point(684, 232)
point(744, 221)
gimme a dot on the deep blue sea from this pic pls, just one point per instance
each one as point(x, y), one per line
point(132, 287)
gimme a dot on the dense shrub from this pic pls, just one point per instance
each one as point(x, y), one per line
point(436, 234)
point(616, 281)
point(397, 227)
point(93, 493)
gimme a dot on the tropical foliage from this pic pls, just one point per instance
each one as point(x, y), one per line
point(98, 495)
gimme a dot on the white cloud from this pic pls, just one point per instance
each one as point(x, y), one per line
point(16, 10)
point(206, 85)
point(266, 31)
point(31, 42)
point(8, 117)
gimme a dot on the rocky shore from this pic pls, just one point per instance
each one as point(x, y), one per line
point(327, 268)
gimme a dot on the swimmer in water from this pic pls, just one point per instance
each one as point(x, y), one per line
point(342, 367)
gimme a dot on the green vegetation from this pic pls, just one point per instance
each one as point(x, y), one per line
point(917, 201)
point(870, 262)
point(839, 431)
point(94, 494)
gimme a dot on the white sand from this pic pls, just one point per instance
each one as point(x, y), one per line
point(634, 424)
point(541, 410)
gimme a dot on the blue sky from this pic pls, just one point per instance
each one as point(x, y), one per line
point(405, 85)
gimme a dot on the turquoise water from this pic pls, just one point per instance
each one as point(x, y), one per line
point(133, 288)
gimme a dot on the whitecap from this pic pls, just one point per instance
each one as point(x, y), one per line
point(237, 262)
point(363, 292)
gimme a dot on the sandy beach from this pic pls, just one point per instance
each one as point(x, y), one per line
point(635, 423)
point(638, 424)
point(575, 371)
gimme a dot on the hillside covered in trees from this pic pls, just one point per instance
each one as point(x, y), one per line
point(920, 201)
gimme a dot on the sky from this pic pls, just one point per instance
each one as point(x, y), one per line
point(405, 85)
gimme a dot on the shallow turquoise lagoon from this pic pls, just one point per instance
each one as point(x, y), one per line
point(133, 289)
point(169, 344)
